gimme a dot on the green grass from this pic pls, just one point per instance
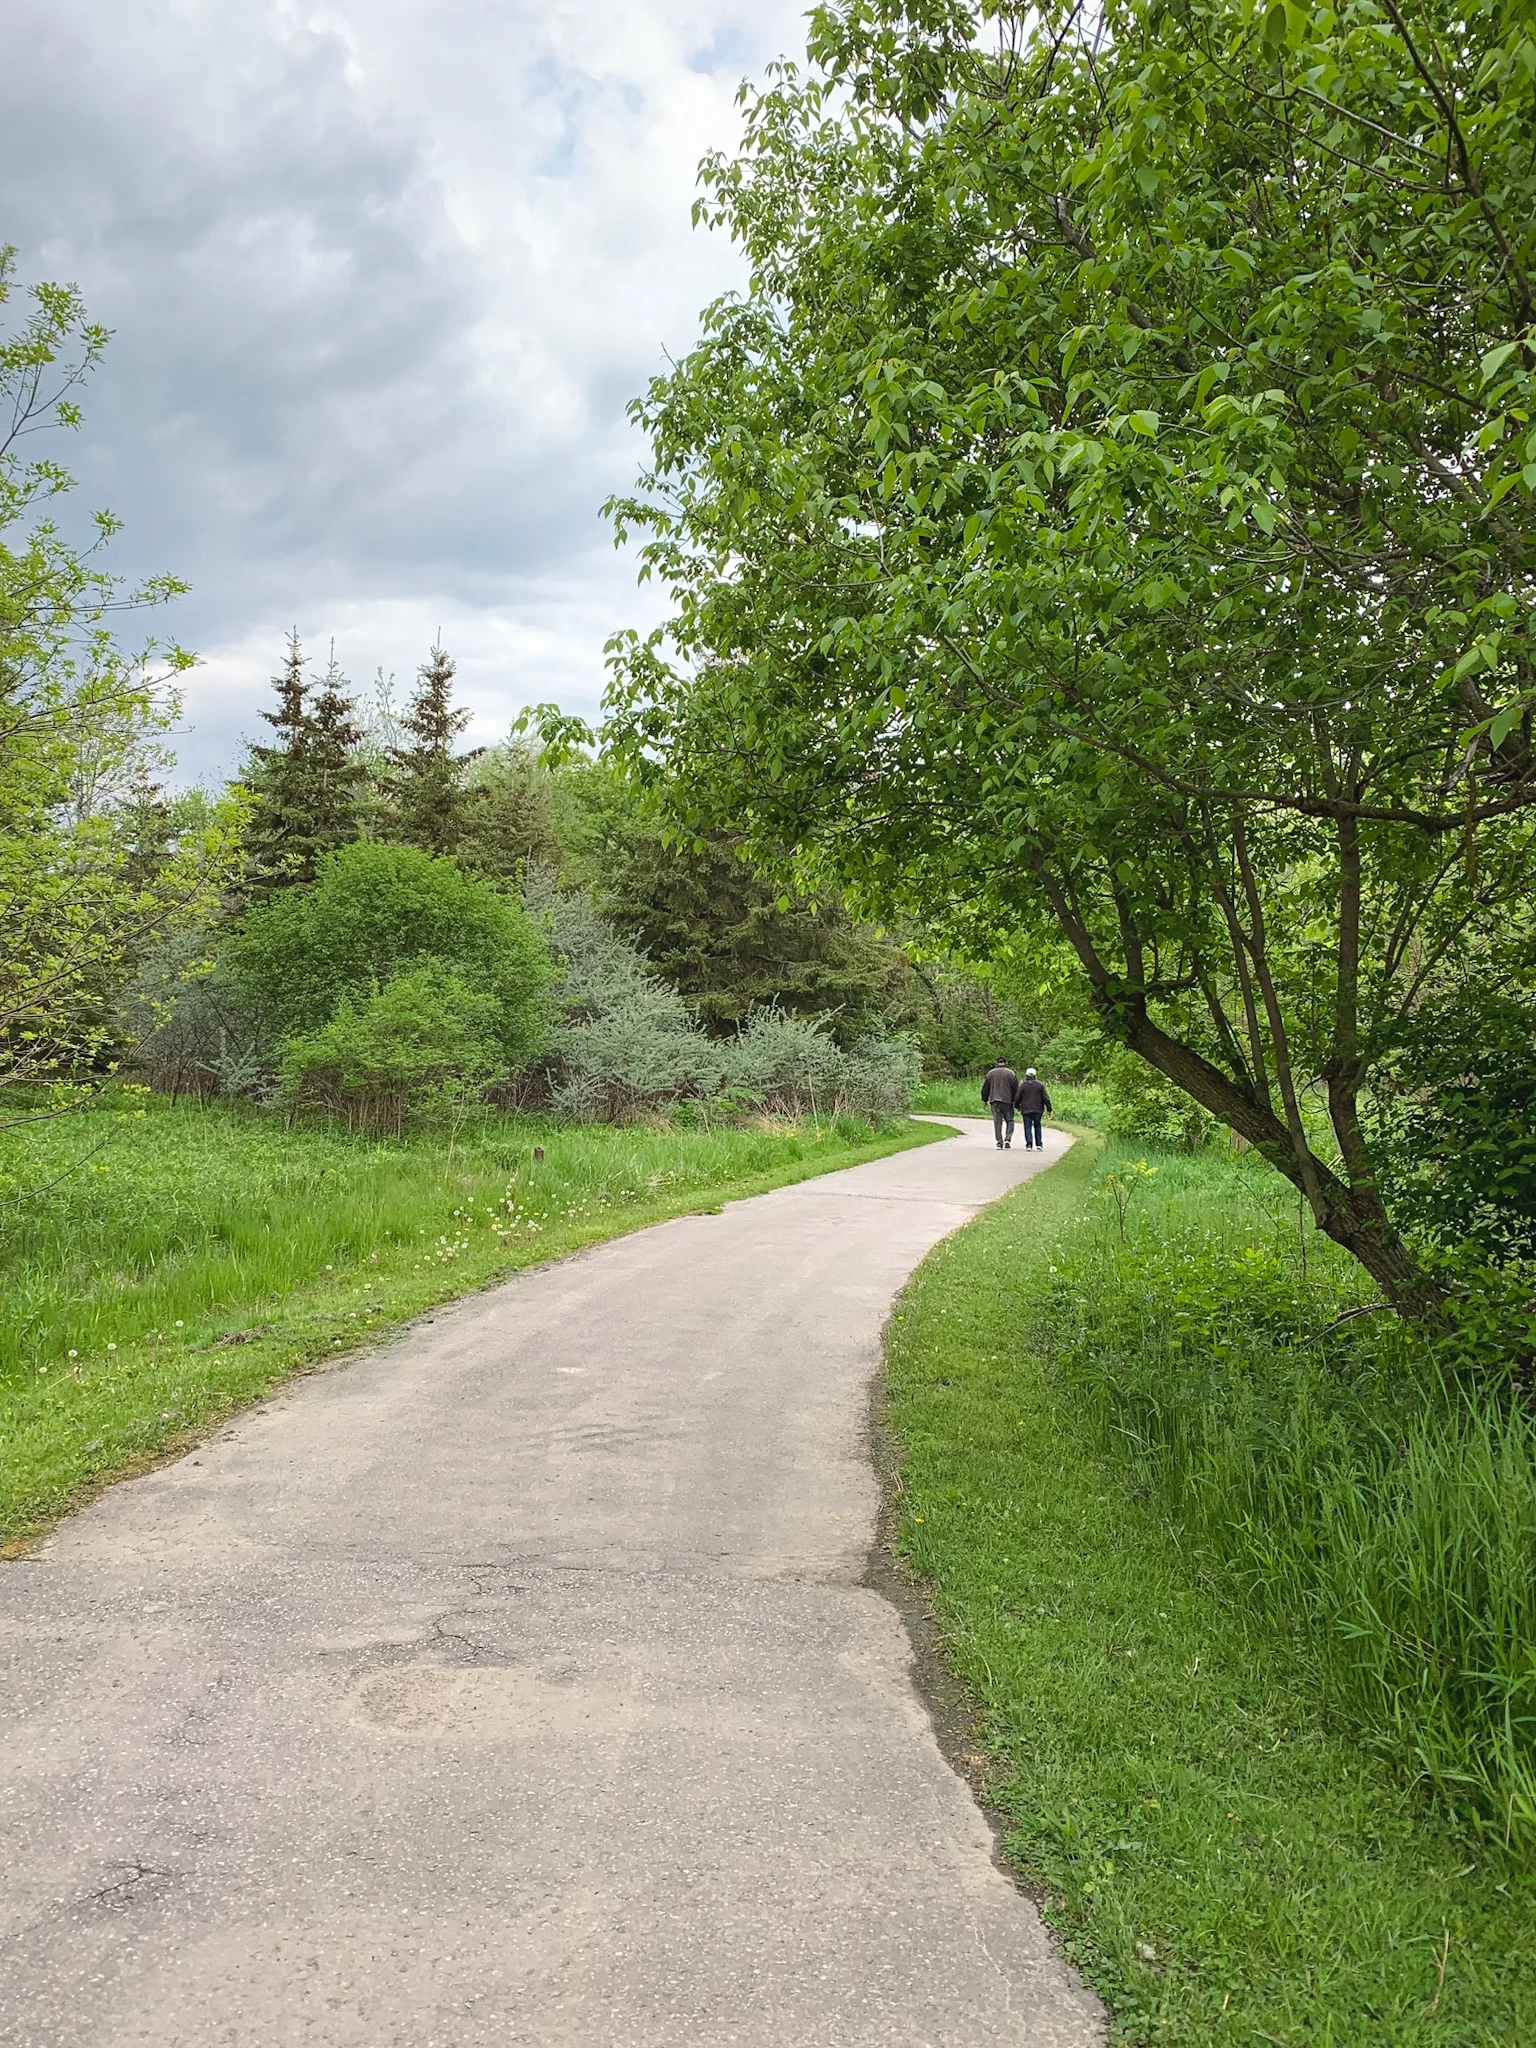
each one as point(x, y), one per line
point(1333, 1471)
point(1224, 1860)
point(160, 1269)
point(1074, 1104)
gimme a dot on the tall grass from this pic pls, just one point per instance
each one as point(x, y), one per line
point(1327, 1469)
point(1074, 1102)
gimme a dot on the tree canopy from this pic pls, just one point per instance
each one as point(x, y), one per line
point(1110, 510)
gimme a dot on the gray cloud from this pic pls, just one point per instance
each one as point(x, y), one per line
point(382, 277)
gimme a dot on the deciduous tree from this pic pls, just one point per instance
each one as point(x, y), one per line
point(79, 716)
point(1110, 512)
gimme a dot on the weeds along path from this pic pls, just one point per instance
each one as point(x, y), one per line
point(519, 1684)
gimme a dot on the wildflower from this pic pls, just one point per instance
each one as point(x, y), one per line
point(74, 1354)
point(111, 1347)
point(180, 1324)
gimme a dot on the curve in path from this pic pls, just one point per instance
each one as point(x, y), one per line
point(516, 1684)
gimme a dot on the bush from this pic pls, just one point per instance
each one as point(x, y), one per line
point(1144, 1109)
point(792, 1066)
point(1450, 1117)
point(375, 912)
point(624, 1040)
point(1073, 1054)
point(424, 1044)
point(189, 1030)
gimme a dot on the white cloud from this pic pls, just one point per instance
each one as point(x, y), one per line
point(383, 275)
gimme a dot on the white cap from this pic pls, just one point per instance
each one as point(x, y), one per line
point(1029, 1073)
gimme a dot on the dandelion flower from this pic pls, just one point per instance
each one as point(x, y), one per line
point(74, 1354)
point(180, 1324)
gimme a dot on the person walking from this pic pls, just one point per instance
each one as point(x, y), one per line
point(1033, 1100)
point(999, 1091)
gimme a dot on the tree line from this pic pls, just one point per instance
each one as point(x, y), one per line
point(373, 919)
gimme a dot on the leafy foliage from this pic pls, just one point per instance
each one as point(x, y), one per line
point(422, 1041)
point(1452, 1118)
point(80, 718)
point(1110, 510)
point(375, 912)
point(1142, 1108)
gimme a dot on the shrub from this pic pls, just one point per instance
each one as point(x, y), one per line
point(1144, 1109)
point(793, 1066)
point(424, 1042)
point(627, 1041)
point(375, 912)
point(189, 1030)
point(1450, 1116)
point(624, 1041)
point(1073, 1054)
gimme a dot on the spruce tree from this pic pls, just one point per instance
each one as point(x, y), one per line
point(146, 832)
point(307, 787)
point(425, 786)
point(337, 770)
point(509, 818)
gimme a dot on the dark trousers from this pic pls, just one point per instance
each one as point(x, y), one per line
point(1031, 1129)
point(1002, 1121)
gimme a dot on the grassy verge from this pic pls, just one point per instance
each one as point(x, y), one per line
point(1073, 1104)
point(1223, 1860)
point(161, 1269)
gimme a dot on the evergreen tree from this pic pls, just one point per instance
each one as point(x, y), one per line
point(146, 832)
point(337, 771)
point(425, 790)
point(509, 820)
point(308, 786)
point(723, 934)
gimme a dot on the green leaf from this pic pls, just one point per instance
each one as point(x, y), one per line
point(1496, 358)
point(1506, 722)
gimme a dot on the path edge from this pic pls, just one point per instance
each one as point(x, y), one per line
point(952, 1709)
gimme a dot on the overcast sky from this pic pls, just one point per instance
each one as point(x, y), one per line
point(383, 276)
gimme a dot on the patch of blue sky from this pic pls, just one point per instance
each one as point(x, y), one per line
point(728, 50)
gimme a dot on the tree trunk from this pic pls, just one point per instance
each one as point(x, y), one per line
point(1354, 1219)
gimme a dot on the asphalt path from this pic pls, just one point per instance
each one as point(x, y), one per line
point(518, 1683)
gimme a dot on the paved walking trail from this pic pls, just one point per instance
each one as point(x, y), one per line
point(516, 1684)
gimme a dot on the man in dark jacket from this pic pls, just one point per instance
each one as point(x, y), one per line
point(1032, 1099)
point(999, 1091)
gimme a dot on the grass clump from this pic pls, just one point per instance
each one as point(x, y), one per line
point(161, 1267)
point(1318, 1454)
point(1219, 1851)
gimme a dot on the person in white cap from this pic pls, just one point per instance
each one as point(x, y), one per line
point(1033, 1100)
